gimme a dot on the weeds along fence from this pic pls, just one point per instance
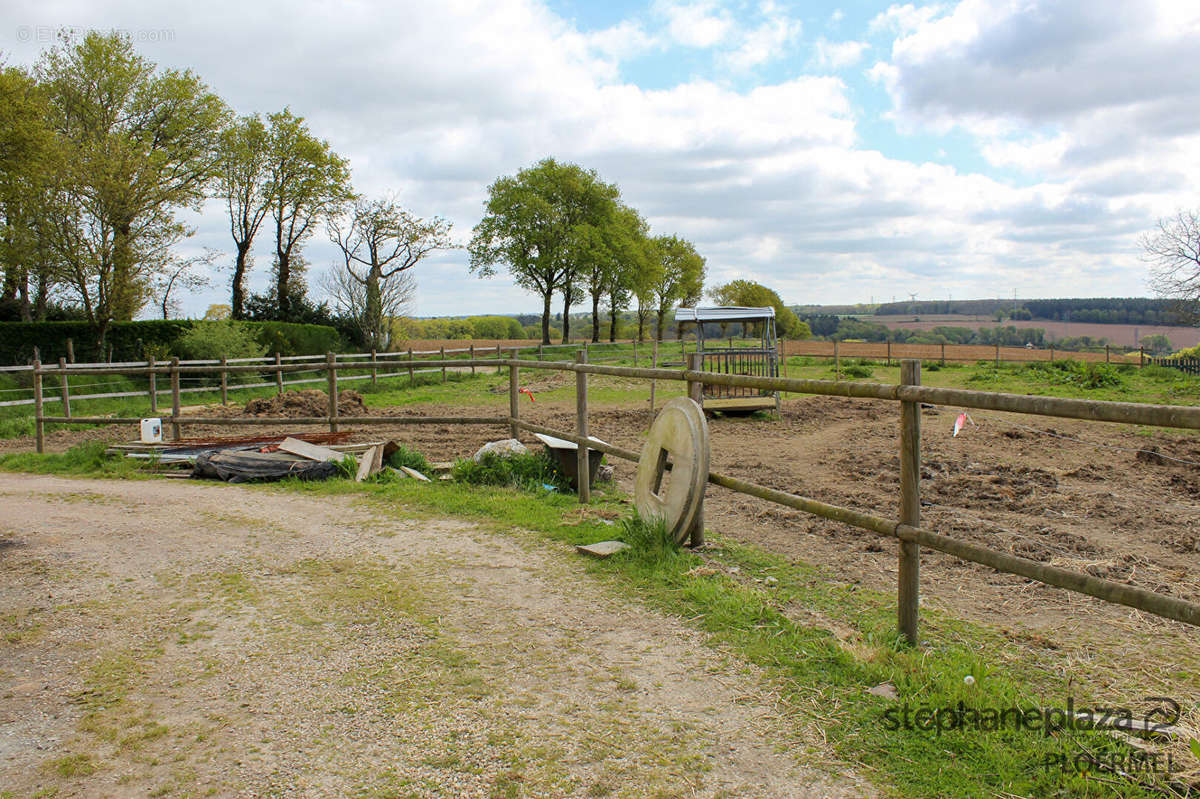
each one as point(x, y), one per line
point(909, 393)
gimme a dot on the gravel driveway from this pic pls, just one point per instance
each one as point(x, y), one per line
point(172, 638)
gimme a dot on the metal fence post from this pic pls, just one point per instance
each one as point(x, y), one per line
point(176, 406)
point(331, 373)
point(224, 381)
point(38, 414)
point(909, 577)
point(153, 385)
point(66, 391)
point(514, 386)
point(582, 467)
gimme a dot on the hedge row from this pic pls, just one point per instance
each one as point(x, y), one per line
point(134, 341)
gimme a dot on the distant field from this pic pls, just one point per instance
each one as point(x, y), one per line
point(1119, 335)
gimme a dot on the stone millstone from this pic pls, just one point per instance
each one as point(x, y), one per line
point(680, 433)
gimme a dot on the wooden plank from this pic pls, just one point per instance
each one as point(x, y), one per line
point(582, 472)
point(370, 463)
point(311, 451)
point(413, 473)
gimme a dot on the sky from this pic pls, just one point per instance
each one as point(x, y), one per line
point(835, 151)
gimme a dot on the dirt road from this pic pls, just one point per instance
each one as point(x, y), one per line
point(170, 638)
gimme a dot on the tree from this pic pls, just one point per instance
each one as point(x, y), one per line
point(379, 241)
point(393, 299)
point(307, 182)
point(242, 184)
point(137, 145)
point(218, 313)
point(181, 273)
point(1174, 252)
point(614, 248)
point(27, 165)
point(679, 278)
point(538, 223)
point(747, 293)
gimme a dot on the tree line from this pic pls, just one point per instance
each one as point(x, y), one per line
point(1104, 310)
point(101, 151)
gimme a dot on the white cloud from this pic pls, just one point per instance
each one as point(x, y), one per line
point(838, 55)
point(696, 24)
point(765, 42)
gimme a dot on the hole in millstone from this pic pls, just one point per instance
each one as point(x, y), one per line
point(662, 474)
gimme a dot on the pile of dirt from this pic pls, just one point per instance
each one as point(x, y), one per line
point(310, 402)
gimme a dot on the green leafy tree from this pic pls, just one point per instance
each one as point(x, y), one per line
point(540, 224)
point(380, 241)
point(307, 183)
point(28, 164)
point(138, 144)
point(242, 184)
point(749, 294)
point(679, 278)
point(614, 250)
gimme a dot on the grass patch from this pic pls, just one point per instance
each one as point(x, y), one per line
point(530, 471)
point(87, 458)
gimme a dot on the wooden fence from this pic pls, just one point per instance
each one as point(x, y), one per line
point(906, 527)
point(1189, 366)
point(890, 352)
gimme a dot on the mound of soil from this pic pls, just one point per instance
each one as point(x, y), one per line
point(310, 402)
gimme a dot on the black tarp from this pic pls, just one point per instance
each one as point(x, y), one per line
point(249, 467)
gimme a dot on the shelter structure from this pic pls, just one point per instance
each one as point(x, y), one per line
point(755, 352)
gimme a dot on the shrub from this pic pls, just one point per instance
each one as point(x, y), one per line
point(856, 370)
point(211, 340)
point(530, 471)
point(410, 458)
point(291, 338)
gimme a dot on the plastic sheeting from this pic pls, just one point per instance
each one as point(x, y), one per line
point(251, 467)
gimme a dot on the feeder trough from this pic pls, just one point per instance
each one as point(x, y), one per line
point(566, 453)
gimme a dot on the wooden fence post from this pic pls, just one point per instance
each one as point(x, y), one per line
point(412, 376)
point(70, 350)
point(374, 369)
point(66, 391)
point(176, 405)
point(37, 354)
point(153, 386)
point(443, 355)
point(998, 355)
point(653, 382)
point(331, 374)
point(1107, 358)
point(908, 595)
point(635, 353)
point(1141, 357)
point(1052, 352)
point(278, 373)
point(224, 381)
point(499, 358)
point(514, 386)
point(582, 467)
point(38, 414)
point(539, 350)
point(837, 362)
point(695, 389)
point(889, 352)
point(943, 353)
point(472, 359)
